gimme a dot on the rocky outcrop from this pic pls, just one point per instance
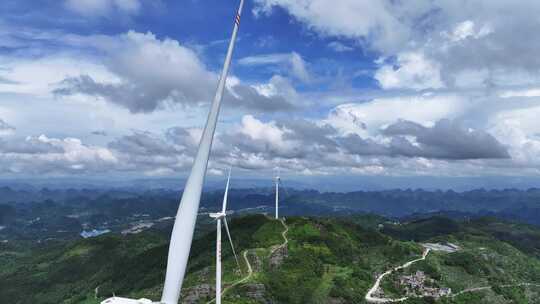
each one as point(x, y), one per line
point(194, 294)
point(257, 292)
point(277, 256)
point(256, 262)
point(336, 301)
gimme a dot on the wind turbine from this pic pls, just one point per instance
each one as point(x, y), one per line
point(222, 216)
point(277, 180)
point(186, 217)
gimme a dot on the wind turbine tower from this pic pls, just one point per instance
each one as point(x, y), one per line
point(219, 217)
point(186, 217)
point(277, 181)
point(184, 225)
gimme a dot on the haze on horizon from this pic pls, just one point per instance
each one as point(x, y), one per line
point(364, 89)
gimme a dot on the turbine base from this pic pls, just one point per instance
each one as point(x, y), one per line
point(118, 300)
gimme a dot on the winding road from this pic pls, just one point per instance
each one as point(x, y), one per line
point(371, 299)
point(284, 235)
point(250, 268)
point(489, 287)
point(369, 296)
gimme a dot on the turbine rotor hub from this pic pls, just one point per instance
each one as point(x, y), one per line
point(218, 215)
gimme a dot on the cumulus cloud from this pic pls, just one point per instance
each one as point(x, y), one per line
point(5, 128)
point(299, 144)
point(467, 30)
point(339, 47)
point(357, 145)
point(518, 128)
point(459, 94)
point(43, 154)
point(446, 139)
point(292, 62)
point(144, 144)
point(411, 71)
point(140, 152)
point(315, 141)
point(274, 96)
point(150, 153)
point(31, 145)
point(146, 85)
point(103, 7)
point(385, 28)
point(99, 133)
point(487, 41)
point(256, 136)
point(368, 117)
point(310, 145)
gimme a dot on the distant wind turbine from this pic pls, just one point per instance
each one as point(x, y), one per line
point(222, 216)
point(186, 217)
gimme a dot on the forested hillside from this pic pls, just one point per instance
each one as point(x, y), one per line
point(299, 260)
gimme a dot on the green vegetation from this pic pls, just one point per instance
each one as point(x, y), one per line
point(334, 259)
point(70, 273)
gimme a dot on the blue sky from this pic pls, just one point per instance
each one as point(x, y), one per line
point(352, 88)
point(205, 25)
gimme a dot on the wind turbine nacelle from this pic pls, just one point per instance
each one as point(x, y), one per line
point(218, 215)
point(117, 300)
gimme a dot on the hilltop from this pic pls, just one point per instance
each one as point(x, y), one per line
point(302, 260)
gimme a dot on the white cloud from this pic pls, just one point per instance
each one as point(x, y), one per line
point(532, 92)
point(147, 86)
point(356, 19)
point(52, 155)
point(130, 6)
point(6, 129)
point(339, 47)
point(413, 71)
point(159, 172)
point(519, 129)
point(268, 133)
point(277, 86)
point(367, 118)
point(293, 62)
point(466, 44)
point(27, 82)
point(314, 147)
point(476, 57)
point(298, 67)
point(103, 7)
point(39, 76)
point(468, 29)
point(89, 7)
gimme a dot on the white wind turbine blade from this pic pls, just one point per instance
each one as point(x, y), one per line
point(186, 217)
point(219, 217)
point(231, 242)
point(223, 210)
